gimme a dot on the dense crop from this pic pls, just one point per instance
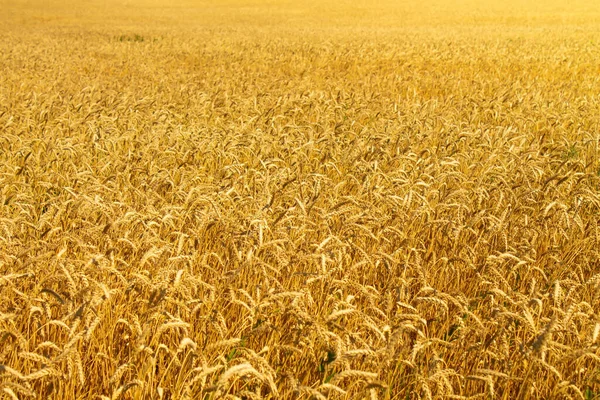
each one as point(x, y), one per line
point(292, 200)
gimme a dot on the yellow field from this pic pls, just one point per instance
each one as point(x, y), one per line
point(299, 199)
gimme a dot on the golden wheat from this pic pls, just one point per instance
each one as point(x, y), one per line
point(312, 199)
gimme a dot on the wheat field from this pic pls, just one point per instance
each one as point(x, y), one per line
point(252, 199)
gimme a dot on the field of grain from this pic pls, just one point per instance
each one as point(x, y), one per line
point(253, 199)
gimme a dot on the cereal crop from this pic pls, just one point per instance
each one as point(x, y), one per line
point(247, 199)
